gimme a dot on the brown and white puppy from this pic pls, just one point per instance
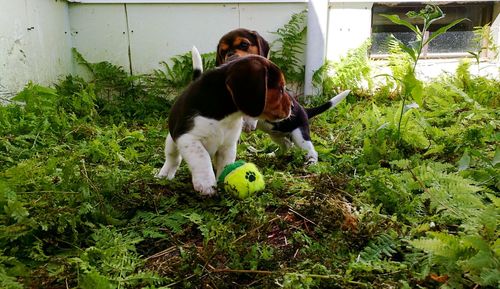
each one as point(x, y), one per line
point(205, 121)
point(293, 130)
point(240, 42)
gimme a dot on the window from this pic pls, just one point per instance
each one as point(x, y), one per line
point(457, 41)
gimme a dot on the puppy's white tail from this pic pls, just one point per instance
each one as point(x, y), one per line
point(197, 63)
point(312, 112)
point(339, 97)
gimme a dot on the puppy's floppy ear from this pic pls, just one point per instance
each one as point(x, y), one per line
point(246, 80)
point(218, 58)
point(262, 44)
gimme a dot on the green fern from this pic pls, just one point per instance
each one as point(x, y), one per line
point(287, 51)
point(381, 246)
point(352, 71)
point(112, 261)
point(463, 258)
point(8, 266)
point(449, 194)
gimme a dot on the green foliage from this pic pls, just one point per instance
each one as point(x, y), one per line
point(381, 246)
point(411, 86)
point(484, 41)
point(112, 262)
point(175, 74)
point(352, 71)
point(80, 207)
point(288, 49)
point(116, 94)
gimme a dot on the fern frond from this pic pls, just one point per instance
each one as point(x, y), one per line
point(288, 50)
point(382, 246)
point(433, 245)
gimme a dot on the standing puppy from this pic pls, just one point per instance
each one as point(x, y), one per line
point(205, 121)
point(294, 130)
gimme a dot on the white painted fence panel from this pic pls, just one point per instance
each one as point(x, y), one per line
point(34, 43)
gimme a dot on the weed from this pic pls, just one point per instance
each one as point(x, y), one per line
point(485, 43)
point(412, 87)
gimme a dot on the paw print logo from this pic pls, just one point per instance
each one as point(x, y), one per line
point(250, 176)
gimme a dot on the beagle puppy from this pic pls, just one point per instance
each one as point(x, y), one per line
point(294, 130)
point(205, 121)
point(240, 42)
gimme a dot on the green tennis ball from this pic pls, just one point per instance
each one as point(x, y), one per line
point(242, 179)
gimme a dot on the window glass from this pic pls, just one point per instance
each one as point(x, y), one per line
point(457, 40)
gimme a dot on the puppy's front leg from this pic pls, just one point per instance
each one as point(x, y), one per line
point(199, 163)
point(224, 156)
point(226, 153)
point(249, 124)
point(305, 144)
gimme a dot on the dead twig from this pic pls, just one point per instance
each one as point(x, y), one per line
point(300, 215)
point(255, 229)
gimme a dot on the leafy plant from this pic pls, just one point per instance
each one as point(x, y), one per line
point(112, 262)
point(175, 74)
point(411, 86)
point(352, 71)
point(287, 51)
point(116, 92)
point(484, 41)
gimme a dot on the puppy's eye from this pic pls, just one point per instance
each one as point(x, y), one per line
point(243, 45)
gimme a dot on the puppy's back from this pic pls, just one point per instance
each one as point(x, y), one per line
point(207, 96)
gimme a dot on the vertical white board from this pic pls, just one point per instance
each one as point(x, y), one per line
point(266, 18)
point(34, 43)
point(99, 33)
point(349, 25)
point(161, 31)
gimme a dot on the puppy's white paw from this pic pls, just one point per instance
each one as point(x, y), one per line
point(311, 158)
point(205, 188)
point(249, 124)
point(166, 172)
point(311, 161)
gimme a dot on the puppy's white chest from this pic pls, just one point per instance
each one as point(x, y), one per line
point(216, 133)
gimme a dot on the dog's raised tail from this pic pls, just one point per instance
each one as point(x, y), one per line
point(314, 111)
point(197, 63)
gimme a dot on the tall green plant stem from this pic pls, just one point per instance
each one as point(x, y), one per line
point(412, 87)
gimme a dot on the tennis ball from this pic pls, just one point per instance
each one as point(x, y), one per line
point(241, 179)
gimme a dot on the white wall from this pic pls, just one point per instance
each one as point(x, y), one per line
point(349, 26)
point(36, 36)
point(156, 32)
point(34, 43)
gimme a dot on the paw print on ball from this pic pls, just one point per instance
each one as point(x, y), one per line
point(250, 176)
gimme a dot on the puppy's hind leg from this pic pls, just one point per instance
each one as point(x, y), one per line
point(303, 141)
point(172, 160)
point(283, 141)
